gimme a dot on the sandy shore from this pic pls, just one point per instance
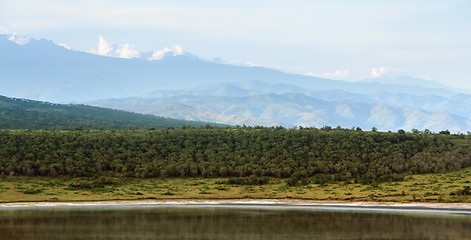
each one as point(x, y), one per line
point(278, 203)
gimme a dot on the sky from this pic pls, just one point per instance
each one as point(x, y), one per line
point(337, 39)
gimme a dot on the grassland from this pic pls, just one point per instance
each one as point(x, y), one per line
point(446, 187)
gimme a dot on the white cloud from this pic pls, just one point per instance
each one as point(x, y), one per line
point(312, 74)
point(127, 51)
point(253, 64)
point(338, 74)
point(386, 72)
point(379, 71)
point(157, 55)
point(65, 46)
point(18, 39)
point(176, 50)
point(104, 47)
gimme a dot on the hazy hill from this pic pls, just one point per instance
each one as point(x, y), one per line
point(28, 114)
point(407, 81)
point(42, 70)
point(291, 109)
point(188, 104)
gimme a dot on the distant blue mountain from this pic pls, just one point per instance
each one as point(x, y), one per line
point(42, 70)
point(291, 109)
point(407, 81)
point(187, 87)
point(260, 103)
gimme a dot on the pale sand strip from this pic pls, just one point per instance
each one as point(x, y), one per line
point(462, 207)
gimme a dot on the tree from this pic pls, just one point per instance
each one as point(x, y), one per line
point(445, 132)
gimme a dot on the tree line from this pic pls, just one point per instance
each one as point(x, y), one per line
point(307, 153)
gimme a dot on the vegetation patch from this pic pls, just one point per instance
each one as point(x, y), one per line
point(252, 180)
point(13, 189)
point(242, 155)
point(237, 162)
point(80, 185)
point(168, 193)
point(32, 191)
point(465, 191)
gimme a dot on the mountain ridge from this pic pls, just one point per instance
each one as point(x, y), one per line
point(42, 70)
point(57, 74)
point(29, 114)
point(291, 110)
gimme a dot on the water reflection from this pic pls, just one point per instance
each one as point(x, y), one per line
point(227, 223)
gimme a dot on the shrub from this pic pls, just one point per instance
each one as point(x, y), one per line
point(465, 191)
point(252, 180)
point(32, 191)
point(79, 185)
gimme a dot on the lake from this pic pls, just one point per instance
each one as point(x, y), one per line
point(231, 221)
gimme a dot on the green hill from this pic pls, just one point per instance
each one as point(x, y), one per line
point(28, 114)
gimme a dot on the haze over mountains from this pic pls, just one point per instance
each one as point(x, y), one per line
point(191, 88)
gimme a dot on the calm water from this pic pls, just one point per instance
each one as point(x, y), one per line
point(228, 222)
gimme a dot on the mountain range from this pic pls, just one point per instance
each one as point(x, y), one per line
point(235, 105)
point(191, 88)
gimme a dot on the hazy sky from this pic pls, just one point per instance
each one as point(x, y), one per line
point(349, 40)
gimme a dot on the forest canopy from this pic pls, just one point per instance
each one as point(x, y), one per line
point(318, 154)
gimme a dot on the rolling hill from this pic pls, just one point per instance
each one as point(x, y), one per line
point(29, 114)
point(290, 110)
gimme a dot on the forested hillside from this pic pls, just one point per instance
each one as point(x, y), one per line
point(319, 155)
point(28, 114)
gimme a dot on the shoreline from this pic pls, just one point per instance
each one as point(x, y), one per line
point(266, 203)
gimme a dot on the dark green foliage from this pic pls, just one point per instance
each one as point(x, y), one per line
point(32, 191)
point(103, 181)
point(297, 179)
point(252, 180)
point(321, 179)
point(465, 191)
point(246, 155)
point(445, 132)
point(168, 193)
point(100, 182)
point(28, 114)
point(221, 188)
point(204, 190)
point(80, 185)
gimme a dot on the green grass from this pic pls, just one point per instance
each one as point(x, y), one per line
point(446, 187)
